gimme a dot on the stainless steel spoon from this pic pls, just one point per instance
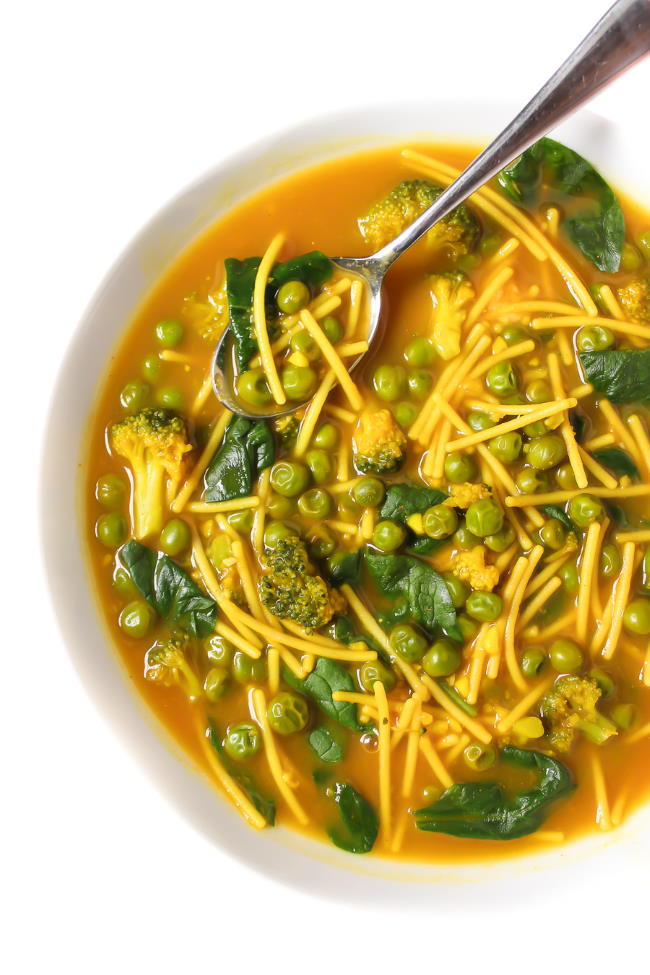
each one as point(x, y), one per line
point(619, 39)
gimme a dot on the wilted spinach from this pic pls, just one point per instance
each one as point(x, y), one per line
point(404, 500)
point(264, 805)
point(326, 746)
point(622, 375)
point(429, 601)
point(617, 460)
point(326, 677)
point(247, 448)
point(359, 821)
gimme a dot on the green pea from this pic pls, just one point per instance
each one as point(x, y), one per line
point(441, 659)
point(332, 328)
point(134, 395)
point(489, 243)
point(136, 619)
point(245, 670)
point(636, 618)
point(440, 521)
point(151, 368)
point(389, 382)
point(419, 352)
point(369, 492)
point(218, 650)
point(388, 535)
point(568, 574)
point(630, 258)
point(321, 543)
point(595, 338)
point(279, 506)
point(374, 670)
point(467, 626)
point(479, 757)
point(326, 437)
point(459, 467)
point(110, 491)
point(464, 539)
point(534, 430)
point(175, 537)
point(538, 391)
point(242, 741)
point(405, 414)
point(298, 382)
point(292, 297)
point(484, 517)
point(512, 334)
point(501, 379)
point(468, 262)
point(506, 446)
point(566, 656)
point(320, 465)
point(605, 682)
point(484, 606)
point(501, 540)
point(478, 420)
point(241, 521)
point(530, 481)
point(545, 452)
point(407, 642)
point(643, 242)
point(623, 716)
point(458, 590)
point(287, 713)
point(289, 478)
point(565, 478)
point(276, 531)
point(584, 509)
point(169, 332)
point(216, 683)
point(552, 534)
point(533, 660)
point(123, 582)
point(111, 529)
point(315, 503)
point(170, 398)
point(610, 561)
point(419, 383)
point(303, 342)
point(251, 387)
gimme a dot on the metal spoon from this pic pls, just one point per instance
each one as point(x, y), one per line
point(619, 39)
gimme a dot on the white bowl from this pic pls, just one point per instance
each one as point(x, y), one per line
point(280, 853)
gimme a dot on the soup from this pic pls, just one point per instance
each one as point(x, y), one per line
point(412, 615)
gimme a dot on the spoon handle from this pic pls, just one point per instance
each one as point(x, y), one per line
point(621, 37)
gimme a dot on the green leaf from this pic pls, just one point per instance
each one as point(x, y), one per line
point(554, 511)
point(360, 824)
point(264, 805)
point(247, 448)
point(617, 460)
point(343, 568)
point(549, 172)
point(430, 603)
point(404, 500)
point(342, 628)
point(169, 590)
point(326, 745)
point(482, 810)
point(622, 375)
point(313, 269)
point(326, 677)
point(458, 700)
point(240, 282)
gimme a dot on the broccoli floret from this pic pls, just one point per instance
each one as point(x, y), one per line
point(635, 299)
point(167, 664)
point(451, 292)
point(458, 231)
point(379, 444)
point(570, 707)
point(287, 428)
point(290, 590)
point(155, 443)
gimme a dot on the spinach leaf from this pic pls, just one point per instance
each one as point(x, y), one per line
point(616, 460)
point(264, 805)
point(240, 282)
point(617, 514)
point(326, 677)
point(360, 823)
point(404, 500)
point(169, 590)
point(554, 511)
point(248, 447)
point(548, 172)
point(313, 269)
point(578, 424)
point(457, 698)
point(482, 811)
point(429, 600)
point(343, 568)
point(326, 745)
point(342, 628)
point(622, 375)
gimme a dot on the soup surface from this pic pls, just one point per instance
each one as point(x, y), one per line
point(412, 617)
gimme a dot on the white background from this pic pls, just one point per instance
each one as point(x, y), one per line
point(108, 109)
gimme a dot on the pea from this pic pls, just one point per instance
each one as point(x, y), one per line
point(389, 382)
point(529, 481)
point(467, 626)
point(537, 429)
point(584, 509)
point(374, 670)
point(315, 503)
point(320, 465)
point(636, 618)
point(136, 619)
point(169, 332)
point(623, 716)
point(565, 478)
point(245, 670)
point(175, 537)
point(479, 757)
point(277, 531)
point(533, 660)
point(151, 368)
point(407, 642)
point(298, 382)
point(538, 391)
point(610, 561)
point(501, 379)
point(279, 506)
point(545, 452)
point(566, 656)
point(110, 491)
point(458, 590)
point(484, 606)
point(326, 437)
point(568, 574)
point(489, 244)
point(388, 535)
point(251, 387)
point(595, 338)
point(134, 395)
point(123, 582)
point(292, 297)
point(332, 328)
point(630, 258)
point(552, 534)
point(242, 741)
point(216, 683)
point(321, 543)
point(468, 262)
point(241, 521)
point(218, 650)
point(289, 478)
point(287, 713)
point(441, 659)
point(369, 492)
point(303, 342)
point(440, 521)
point(643, 241)
point(501, 540)
point(506, 446)
point(604, 681)
point(419, 352)
point(419, 383)
point(170, 398)
point(464, 539)
point(459, 467)
point(405, 414)
point(484, 517)
point(513, 334)
point(478, 420)
point(111, 529)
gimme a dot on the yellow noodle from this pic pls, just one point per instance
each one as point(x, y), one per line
point(500, 277)
point(511, 620)
point(312, 414)
point(258, 704)
point(215, 507)
point(446, 703)
point(511, 352)
point(621, 430)
point(259, 318)
point(333, 360)
point(202, 395)
point(197, 472)
point(603, 817)
point(525, 307)
point(566, 429)
point(597, 469)
point(641, 439)
point(431, 756)
point(523, 706)
point(533, 607)
point(619, 599)
point(557, 497)
point(340, 414)
point(234, 792)
point(480, 436)
point(383, 751)
point(625, 328)
point(588, 568)
point(228, 633)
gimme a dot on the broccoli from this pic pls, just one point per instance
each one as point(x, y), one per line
point(155, 444)
point(287, 428)
point(289, 590)
point(458, 231)
point(167, 664)
point(450, 292)
point(379, 444)
point(635, 299)
point(570, 706)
